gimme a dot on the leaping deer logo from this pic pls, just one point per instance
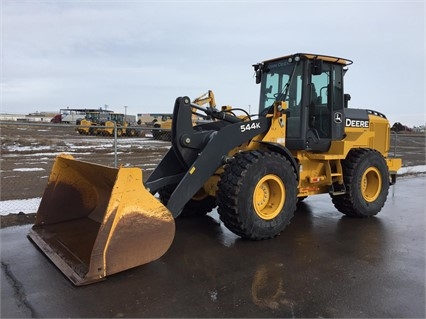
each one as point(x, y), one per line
point(338, 117)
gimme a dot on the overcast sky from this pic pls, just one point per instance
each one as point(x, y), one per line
point(144, 54)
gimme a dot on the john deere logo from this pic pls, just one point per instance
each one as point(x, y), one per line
point(357, 123)
point(338, 117)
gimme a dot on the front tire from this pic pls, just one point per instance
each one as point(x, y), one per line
point(366, 178)
point(257, 194)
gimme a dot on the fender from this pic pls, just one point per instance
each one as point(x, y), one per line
point(278, 148)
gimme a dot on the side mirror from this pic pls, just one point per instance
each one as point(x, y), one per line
point(316, 67)
point(347, 98)
point(258, 76)
point(258, 72)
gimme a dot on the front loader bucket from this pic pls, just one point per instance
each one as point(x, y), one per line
point(94, 221)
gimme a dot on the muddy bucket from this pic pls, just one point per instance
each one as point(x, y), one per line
point(94, 221)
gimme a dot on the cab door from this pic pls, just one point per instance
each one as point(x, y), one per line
point(325, 106)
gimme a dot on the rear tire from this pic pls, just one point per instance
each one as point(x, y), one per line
point(257, 194)
point(366, 178)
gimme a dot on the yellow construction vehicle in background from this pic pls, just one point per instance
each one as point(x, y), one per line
point(89, 124)
point(116, 120)
point(162, 127)
point(94, 220)
point(206, 98)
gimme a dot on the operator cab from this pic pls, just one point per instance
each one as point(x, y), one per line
point(312, 86)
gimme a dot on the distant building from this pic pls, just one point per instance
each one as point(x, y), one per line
point(31, 117)
point(11, 117)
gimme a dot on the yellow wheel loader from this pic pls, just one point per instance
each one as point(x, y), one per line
point(89, 125)
point(117, 120)
point(94, 220)
point(162, 127)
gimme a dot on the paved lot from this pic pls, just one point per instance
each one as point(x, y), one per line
point(322, 265)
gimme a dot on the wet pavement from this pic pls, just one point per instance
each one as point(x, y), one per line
point(322, 265)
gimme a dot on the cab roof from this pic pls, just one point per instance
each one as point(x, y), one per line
point(312, 56)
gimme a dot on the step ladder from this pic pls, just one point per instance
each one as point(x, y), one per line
point(334, 171)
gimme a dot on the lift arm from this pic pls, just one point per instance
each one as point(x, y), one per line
point(197, 152)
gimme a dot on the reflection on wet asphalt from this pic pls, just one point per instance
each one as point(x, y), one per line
point(323, 265)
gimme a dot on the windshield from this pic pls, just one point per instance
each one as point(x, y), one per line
point(276, 84)
point(117, 117)
point(92, 116)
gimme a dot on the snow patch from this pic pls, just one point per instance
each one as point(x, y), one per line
point(34, 169)
point(27, 206)
point(19, 148)
point(412, 170)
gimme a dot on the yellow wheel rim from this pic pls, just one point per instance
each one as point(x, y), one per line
point(371, 184)
point(269, 197)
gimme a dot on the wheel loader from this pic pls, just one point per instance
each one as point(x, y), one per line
point(116, 121)
point(162, 127)
point(89, 125)
point(94, 221)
